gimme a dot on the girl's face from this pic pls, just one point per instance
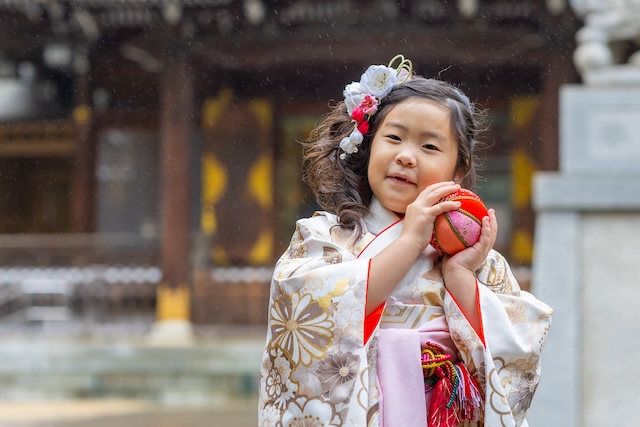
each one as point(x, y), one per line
point(413, 148)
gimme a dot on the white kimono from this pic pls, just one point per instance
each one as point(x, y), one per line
point(318, 369)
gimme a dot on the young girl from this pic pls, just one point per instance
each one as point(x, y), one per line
point(368, 324)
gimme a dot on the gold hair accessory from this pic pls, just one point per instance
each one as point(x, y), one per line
point(403, 69)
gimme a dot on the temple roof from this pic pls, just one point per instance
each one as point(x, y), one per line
point(18, 4)
point(241, 34)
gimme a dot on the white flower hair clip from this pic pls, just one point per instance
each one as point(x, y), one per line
point(362, 98)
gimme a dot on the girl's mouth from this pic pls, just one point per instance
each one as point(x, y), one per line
point(400, 179)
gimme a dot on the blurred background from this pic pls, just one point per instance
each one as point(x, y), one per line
point(150, 178)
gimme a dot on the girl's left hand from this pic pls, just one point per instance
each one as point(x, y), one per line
point(472, 258)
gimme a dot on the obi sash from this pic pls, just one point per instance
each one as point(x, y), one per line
point(403, 399)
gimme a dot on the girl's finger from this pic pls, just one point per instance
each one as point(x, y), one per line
point(494, 220)
point(433, 193)
point(442, 207)
point(489, 231)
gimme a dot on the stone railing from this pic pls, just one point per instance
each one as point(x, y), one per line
point(91, 300)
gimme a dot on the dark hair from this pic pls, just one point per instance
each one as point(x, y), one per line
point(341, 186)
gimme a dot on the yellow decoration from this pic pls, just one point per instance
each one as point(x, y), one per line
point(522, 170)
point(260, 181)
point(208, 221)
point(523, 110)
point(215, 177)
point(262, 109)
point(219, 256)
point(522, 245)
point(212, 108)
point(263, 248)
point(214, 184)
point(173, 303)
point(82, 114)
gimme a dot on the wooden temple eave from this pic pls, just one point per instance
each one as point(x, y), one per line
point(225, 25)
point(422, 45)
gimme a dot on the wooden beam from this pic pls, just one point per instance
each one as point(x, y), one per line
point(42, 148)
point(421, 44)
point(38, 139)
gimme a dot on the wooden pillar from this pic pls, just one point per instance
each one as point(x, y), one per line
point(83, 174)
point(176, 125)
point(558, 71)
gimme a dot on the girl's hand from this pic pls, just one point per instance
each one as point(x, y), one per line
point(458, 271)
point(471, 259)
point(421, 214)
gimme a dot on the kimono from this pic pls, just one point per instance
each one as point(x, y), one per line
point(321, 358)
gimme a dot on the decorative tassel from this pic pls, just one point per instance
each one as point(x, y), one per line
point(456, 396)
point(470, 395)
point(443, 410)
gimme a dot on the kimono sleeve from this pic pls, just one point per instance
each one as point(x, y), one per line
point(315, 332)
point(314, 253)
point(320, 281)
point(515, 326)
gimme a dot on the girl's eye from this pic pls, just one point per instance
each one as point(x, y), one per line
point(394, 137)
point(429, 147)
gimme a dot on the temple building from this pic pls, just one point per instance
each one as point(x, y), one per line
point(149, 149)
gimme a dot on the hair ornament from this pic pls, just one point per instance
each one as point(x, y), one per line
point(362, 98)
point(404, 68)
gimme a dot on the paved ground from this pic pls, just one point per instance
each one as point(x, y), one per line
point(227, 350)
point(193, 418)
point(123, 414)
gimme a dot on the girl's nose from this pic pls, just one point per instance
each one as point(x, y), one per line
point(406, 157)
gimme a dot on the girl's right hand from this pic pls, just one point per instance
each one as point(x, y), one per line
point(421, 214)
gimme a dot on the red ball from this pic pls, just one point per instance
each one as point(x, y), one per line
point(459, 229)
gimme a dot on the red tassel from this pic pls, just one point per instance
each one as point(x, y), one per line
point(456, 396)
point(439, 414)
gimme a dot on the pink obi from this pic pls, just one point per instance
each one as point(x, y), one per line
point(403, 401)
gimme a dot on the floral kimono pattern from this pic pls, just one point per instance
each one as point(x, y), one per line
point(317, 368)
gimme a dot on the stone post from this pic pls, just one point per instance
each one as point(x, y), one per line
point(587, 262)
point(587, 243)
